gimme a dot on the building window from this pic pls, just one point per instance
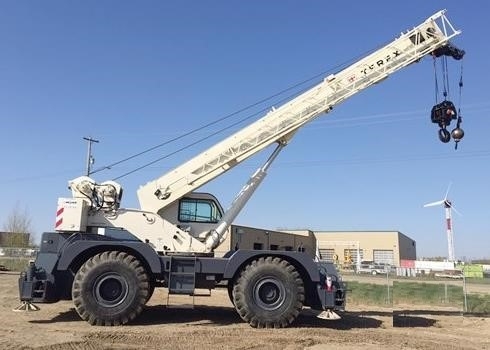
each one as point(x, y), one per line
point(258, 246)
point(274, 247)
point(198, 210)
point(288, 248)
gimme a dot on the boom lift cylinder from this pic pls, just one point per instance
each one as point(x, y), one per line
point(216, 236)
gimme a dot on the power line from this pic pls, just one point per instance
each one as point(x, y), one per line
point(364, 121)
point(295, 86)
point(90, 159)
point(206, 137)
point(193, 131)
point(306, 163)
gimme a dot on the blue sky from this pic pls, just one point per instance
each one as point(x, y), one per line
point(135, 74)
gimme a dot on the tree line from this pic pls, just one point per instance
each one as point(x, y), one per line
point(17, 229)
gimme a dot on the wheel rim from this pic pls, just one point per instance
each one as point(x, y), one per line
point(269, 293)
point(110, 290)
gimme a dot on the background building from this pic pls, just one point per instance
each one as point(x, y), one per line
point(344, 247)
point(387, 247)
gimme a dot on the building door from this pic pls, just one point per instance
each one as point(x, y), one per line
point(353, 255)
point(327, 254)
point(383, 256)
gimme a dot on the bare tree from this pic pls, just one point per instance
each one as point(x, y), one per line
point(18, 228)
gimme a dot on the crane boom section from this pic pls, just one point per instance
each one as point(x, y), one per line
point(281, 123)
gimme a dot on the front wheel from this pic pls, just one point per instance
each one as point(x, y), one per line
point(269, 293)
point(110, 289)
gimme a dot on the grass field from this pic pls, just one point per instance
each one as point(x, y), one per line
point(427, 293)
point(15, 264)
point(368, 294)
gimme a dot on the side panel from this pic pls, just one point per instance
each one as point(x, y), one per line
point(238, 258)
point(78, 248)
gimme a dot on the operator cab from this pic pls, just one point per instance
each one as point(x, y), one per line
point(197, 213)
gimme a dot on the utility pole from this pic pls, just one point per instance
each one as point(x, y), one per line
point(90, 159)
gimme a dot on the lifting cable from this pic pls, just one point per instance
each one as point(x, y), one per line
point(435, 79)
point(460, 117)
point(445, 79)
point(445, 76)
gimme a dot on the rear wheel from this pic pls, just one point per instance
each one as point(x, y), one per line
point(269, 293)
point(230, 291)
point(110, 289)
point(151, 289)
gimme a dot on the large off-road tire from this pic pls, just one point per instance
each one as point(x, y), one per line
point(230, 287)
point(110, 289)
point(269, 293)
point(151, 289)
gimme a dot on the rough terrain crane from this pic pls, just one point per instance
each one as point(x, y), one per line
point(109, 259)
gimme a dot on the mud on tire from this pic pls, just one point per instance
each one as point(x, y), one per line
point(269, 293)
point(110, 289)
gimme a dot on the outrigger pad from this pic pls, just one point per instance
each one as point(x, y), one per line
point(26, 306)
point(328, 315)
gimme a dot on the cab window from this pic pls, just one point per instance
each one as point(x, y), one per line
point(198, 210)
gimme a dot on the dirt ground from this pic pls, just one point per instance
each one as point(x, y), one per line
point(214, 324)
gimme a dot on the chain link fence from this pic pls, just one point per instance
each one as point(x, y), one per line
point(414, 293)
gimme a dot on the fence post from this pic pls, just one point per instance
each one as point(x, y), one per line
point(388, 287)
point(446, 301)
point(464, 293)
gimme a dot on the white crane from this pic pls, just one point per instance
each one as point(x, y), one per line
point(109, 259)
point(448, 207)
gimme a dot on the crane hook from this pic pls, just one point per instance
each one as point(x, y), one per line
point(444, 135)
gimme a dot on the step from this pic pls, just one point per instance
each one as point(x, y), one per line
point(186, 291)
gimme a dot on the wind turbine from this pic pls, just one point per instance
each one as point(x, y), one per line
point(448, 206)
